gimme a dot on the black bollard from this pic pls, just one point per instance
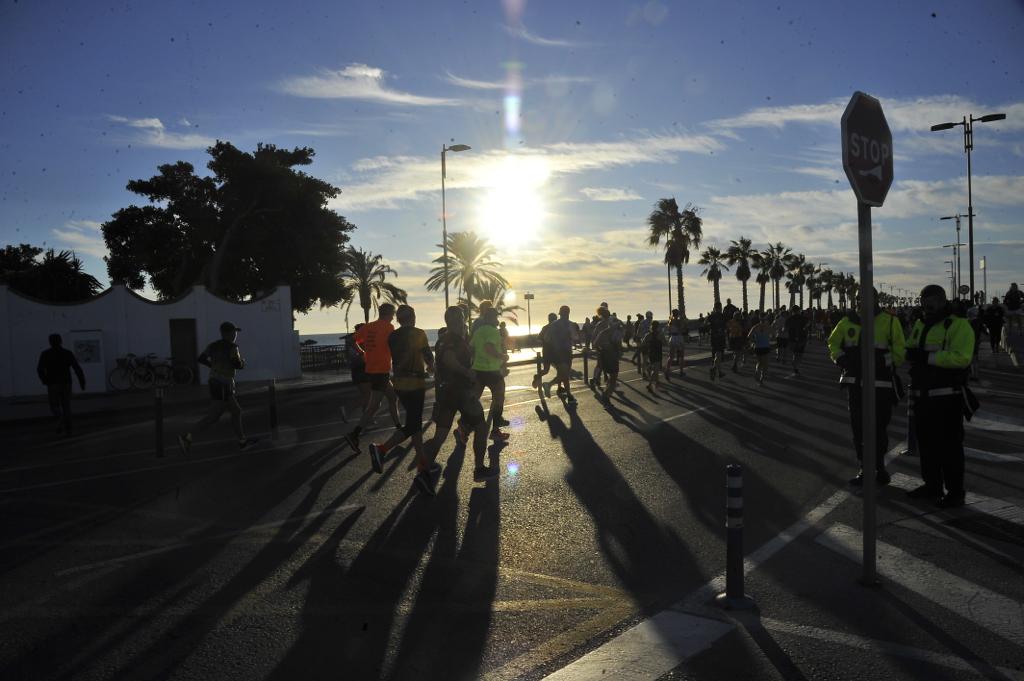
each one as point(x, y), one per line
point(540, 379)
point(734, 598)
point(272, 393)
point(586, 364)
point(158, 419)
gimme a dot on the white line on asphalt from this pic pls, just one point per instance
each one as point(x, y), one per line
point(980, 503)
point(647, 651)
point(588, 666)
point(994, 422)
point(996, 457)
point(892, 649)
point(995, 612)
point(185, 544)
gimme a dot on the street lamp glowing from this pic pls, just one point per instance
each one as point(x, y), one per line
point(444, 211)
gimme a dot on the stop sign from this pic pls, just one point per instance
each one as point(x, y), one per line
point(867, 149)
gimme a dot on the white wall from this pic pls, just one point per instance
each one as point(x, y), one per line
point(126, 323)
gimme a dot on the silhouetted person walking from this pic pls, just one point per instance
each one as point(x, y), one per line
point(54, 369)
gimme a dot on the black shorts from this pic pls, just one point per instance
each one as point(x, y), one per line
point(412, 402)
point(378, 382)
point(717, 344)
point(359, 374)
point(492, 380)
point(761, 352)
point(609, 359)
point(221, 391)
point(799, 346)
point(736, 344)
point(452, 400)
point(782, 342)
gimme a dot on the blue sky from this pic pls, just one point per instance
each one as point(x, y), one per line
point(732, 106)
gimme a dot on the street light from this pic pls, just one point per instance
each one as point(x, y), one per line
point(444, 212)
point(984, 272)
point(968, 126)
point(959, 276)
point(956, 259)
point(952, 277)
point(528, 297)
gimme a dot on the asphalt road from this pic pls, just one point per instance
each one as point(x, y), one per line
point(293, 560)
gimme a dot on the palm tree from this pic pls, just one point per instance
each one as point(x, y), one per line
point(792, 285)
point(471, 264)
point(681, 230)
point(58, 277)
point(714, 262)
point(779, 256)
point(813, 284)
point(807, 272)
point(796, 267)
point(742, 254)
point(762, 262)
point(363, 279)
point(828, 280)
point(495, 292)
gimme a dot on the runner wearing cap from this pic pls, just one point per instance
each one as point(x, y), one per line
point(224, 358)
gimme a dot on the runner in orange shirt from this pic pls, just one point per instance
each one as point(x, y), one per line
point(372, 341)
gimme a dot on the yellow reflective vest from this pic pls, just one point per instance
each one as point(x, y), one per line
point(890, 348)
point(949, 343)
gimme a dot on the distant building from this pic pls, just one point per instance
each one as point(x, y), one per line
point(119, 321)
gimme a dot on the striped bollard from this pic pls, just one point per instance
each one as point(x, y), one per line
point(158, 418)
point(540, 379)
point(734, 598)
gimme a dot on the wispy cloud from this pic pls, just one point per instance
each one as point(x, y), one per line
point(356, 81)
point(81, 236)
point(153, 133)
point(905, 115)
point(609, 194)
point(390, 180)
point(551, 80)
point(521, 32)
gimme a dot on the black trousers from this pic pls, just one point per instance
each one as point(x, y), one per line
point(60, 403)
point(939, 425)
point(883, 415)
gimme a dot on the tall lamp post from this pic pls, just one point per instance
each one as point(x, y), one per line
point(952, 277)
point(444, 212)
point(968, 126)
point(529, 325)
point(984, 273)
point(959, 276)
point(956, 262)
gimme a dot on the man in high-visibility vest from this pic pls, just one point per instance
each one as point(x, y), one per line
point(889, 348)
point(939, 352)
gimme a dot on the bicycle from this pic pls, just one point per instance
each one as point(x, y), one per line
point(167, 372)
point(131, 372)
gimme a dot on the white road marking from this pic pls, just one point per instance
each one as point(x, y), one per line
point(996, 508)
point(995, 612)
point(649, 650)
point(994, 423)
point(890, 649)
point(995, 457)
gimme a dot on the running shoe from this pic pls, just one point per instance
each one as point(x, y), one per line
point(352, 440)
point(425, 483)
point(570, 400)
point(376, 458)
point(481, 473)
point(245, 443)
point(499, 436)
point(502, 422)
point(185, 443)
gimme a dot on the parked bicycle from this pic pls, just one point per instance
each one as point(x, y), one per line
point(145, 372)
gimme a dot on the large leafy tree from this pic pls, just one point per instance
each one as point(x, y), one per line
point(714, 263)
point(252, 224)
point(56, 277)
point(680, 230)
point(741, 254)
point(471, 265)
point(364, 280)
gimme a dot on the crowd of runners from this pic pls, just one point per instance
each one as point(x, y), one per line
point(392, 365)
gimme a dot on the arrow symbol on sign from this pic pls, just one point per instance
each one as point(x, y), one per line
point(876, 172)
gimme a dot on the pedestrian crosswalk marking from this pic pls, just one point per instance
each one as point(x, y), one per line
point(997, 508)
point(995, 612)
point(890, 649)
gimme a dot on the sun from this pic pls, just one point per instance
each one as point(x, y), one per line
point(512, 211)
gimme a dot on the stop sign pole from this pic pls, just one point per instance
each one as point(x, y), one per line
point(867, 160)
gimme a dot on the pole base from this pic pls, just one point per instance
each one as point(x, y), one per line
point(870, 582)
point(723, 600)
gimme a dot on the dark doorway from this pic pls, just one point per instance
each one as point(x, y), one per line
point(184, 346)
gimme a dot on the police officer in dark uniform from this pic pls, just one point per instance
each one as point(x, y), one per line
point(889, 346)
point(939, 351)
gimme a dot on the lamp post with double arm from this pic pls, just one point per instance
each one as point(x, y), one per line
point(444, 212)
